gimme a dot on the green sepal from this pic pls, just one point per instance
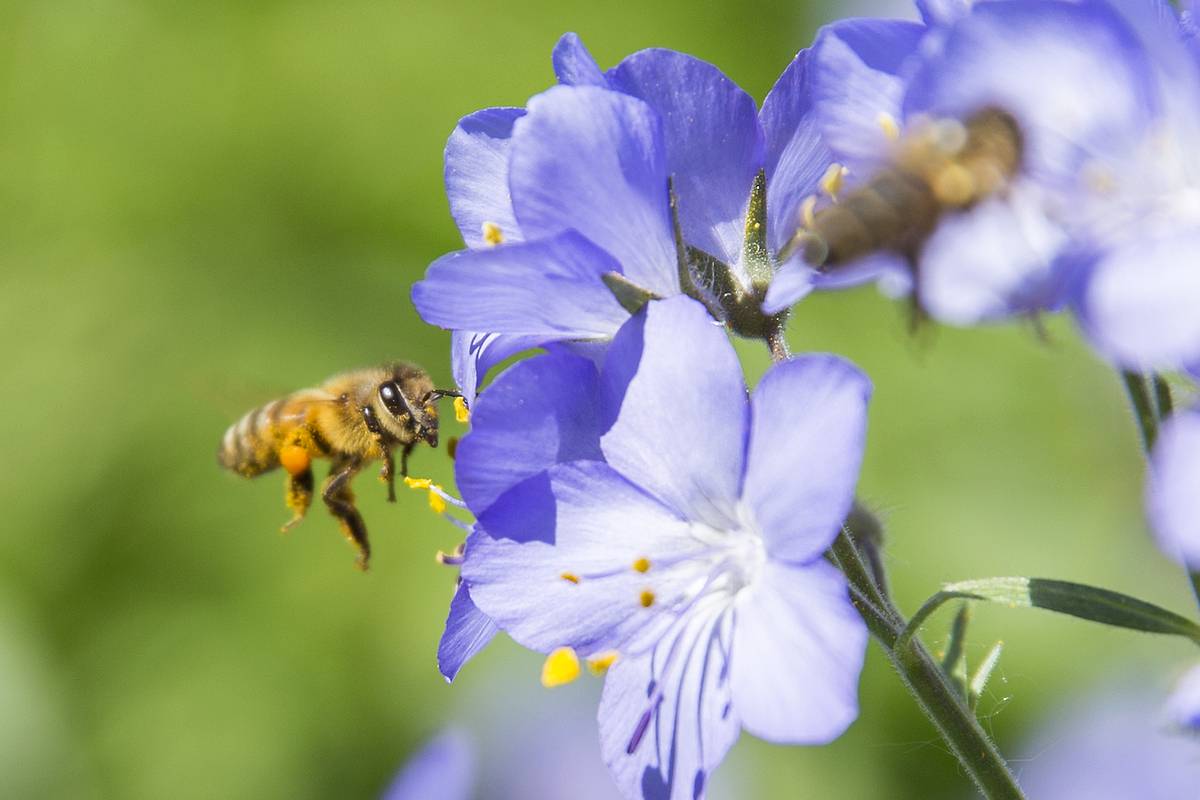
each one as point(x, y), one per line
point(983, 672)
point(631, 296)
point(954, 662)
point(755, 255)
point(1074, 599)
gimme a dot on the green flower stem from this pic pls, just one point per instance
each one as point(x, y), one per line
point(926, 681)
point(920, 673)
point(1149, 412)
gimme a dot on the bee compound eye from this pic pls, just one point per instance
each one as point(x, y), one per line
point(393, 398)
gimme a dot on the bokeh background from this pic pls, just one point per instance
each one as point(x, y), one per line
point(204, 205)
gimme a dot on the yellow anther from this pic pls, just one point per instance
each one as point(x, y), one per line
point(599, 663)
point(570, 577)
point(436, 502)
point(808, 211)
point(887, 123)
point(641, 565)
point(646, 598)
point(492, 234)
point(461, 412)
point(454, 558)
point(832, 180)
point(418, 483)
point(560, 668)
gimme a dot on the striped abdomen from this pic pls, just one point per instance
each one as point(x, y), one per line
point(251, 445)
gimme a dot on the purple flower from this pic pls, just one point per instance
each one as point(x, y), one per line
point(1173, 488)
point(1183, 707)
point(1105, 213)
point(557, 200)
point(1112, 745)
point(678, 528)
point(443, 768)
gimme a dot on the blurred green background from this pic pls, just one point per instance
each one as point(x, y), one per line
point(204, 205)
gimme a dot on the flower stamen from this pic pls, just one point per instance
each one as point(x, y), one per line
point(560, 668)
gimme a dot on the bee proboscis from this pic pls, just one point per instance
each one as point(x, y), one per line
point(352, 419)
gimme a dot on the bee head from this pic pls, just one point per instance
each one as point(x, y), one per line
point(407, 401)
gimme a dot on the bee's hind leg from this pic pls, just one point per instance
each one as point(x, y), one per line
point(339, 499)
point(299, 497)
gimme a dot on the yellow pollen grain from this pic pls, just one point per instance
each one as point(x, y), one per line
point(492, 234)
point(570, 577)
point(560, 668)
point(461, 412)
point(832, 180)
point(646, 598)
point(887, 123)
point(641, 565)
point(808, 211)
point(599, 663)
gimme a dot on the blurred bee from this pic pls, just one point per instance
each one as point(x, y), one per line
point(352, 419)
point(940, 166)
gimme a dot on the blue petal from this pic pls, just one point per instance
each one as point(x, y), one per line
point(550, 288)
point(1173, 492)
point(943, 12)
point(713, 141)
point(543, 411)
point(666, 717)
point(472, 354)
point(468, 631)
point(444, 769)
point(477, 174)
point(797, 156)
point(857, 76)
point(574, 65)
point(592, 160)
point(992, 262)
point(798, 649)
point(806, 445)
point(674, 387)
point(1139, 303)
point(582, 520)
point(1099, 99)
point(1184, 705)
point(794, 281)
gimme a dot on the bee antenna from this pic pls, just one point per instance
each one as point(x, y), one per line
point(438, 394)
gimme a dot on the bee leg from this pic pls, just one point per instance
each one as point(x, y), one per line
point(408, 448)
point(299, 497)
point(387, 474)
point(339, 499)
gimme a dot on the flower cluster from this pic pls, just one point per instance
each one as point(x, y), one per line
point(637, 510)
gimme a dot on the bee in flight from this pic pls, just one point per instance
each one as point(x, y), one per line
point(940, 167)
point(352, 419)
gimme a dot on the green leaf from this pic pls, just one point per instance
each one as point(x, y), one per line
point(1075, 599)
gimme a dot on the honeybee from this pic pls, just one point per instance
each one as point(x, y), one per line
point(941, 166)
point(352, 419)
